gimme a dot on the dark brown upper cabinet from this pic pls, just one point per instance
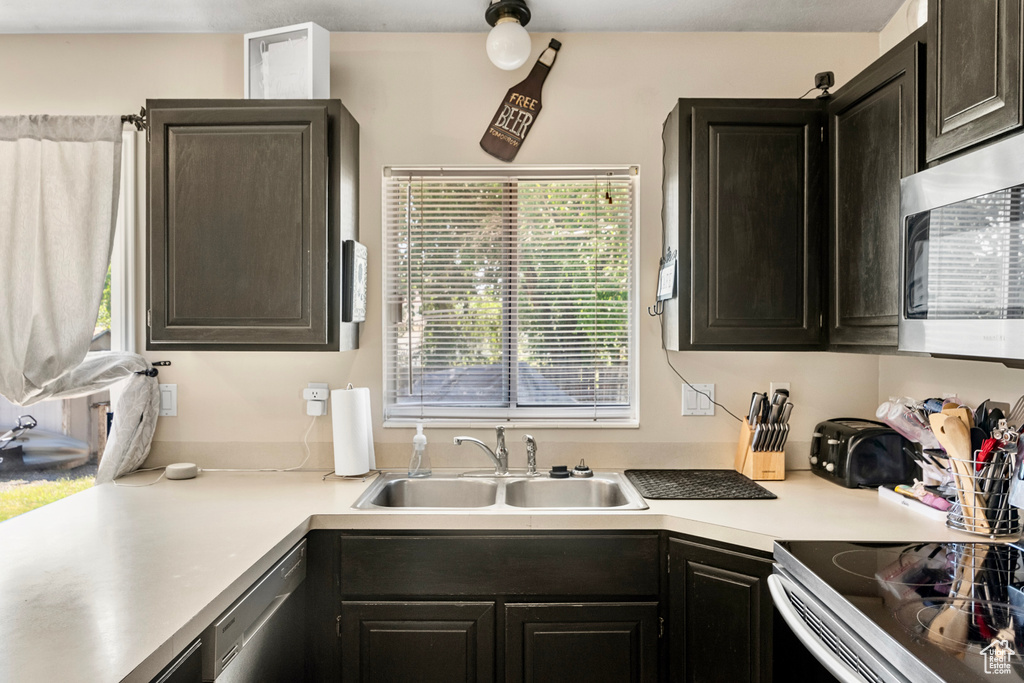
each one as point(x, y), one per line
point(744, 206)
point(249, 203)
point(873, 143)
point(974, 72)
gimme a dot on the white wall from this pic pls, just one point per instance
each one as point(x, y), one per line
point(426, 99)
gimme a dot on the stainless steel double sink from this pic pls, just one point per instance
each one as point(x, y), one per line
point(604, 491)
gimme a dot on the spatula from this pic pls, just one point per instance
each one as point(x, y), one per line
point(949, 628)
point(961, 412)
point(954, 436)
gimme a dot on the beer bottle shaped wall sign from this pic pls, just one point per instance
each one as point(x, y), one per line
point(518, 111)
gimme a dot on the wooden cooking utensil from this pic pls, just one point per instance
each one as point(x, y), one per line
point(949, 628)
point(963, 413)
point(954, 436)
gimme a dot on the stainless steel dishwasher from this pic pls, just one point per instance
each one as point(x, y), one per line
point(259, 637)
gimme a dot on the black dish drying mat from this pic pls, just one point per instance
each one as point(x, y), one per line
point(696, 485)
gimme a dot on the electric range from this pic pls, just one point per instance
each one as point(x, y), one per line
point(911, 612)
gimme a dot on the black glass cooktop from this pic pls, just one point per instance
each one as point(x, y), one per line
point(956, 607)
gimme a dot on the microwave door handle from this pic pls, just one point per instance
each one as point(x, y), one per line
point(778, 587)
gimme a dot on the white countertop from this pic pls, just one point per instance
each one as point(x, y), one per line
point(111, 583)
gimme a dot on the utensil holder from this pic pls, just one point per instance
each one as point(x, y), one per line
point(983, 497)
point(757, 465)
point(997, 571)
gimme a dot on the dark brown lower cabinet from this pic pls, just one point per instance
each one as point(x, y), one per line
point(486, 606)
point(720, 615)
point(417, 642)
point(544, 608)
point(566, 643)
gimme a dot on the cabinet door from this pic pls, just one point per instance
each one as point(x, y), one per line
point(752, 225)
point(597, 643)
point(720, 615)
point(417, 642)
point(974, 72)
point(246, 218)
point(873, 122)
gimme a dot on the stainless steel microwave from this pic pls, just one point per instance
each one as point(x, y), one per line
point(962, 255)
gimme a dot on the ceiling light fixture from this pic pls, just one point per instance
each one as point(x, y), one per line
point(508, 43)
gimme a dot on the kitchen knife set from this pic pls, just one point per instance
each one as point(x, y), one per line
point(769, 420)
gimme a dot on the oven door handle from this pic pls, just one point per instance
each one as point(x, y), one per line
point(836, 666)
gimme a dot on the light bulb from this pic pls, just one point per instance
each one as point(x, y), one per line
point(917, 14)
point(508, 44)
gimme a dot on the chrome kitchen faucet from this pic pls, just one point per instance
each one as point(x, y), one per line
point(499, 458)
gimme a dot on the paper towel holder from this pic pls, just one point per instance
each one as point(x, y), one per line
point(353, 432)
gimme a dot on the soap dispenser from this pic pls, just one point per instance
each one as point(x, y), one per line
point(419, 464)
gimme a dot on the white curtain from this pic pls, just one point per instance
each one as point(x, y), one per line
point(59, 180)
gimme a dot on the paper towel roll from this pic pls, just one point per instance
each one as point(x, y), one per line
point(353, 431)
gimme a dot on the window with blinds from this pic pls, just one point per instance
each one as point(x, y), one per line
point(510, 296)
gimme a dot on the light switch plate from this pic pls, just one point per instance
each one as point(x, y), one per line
point(774, 386)
point(168, 400)
point(696, 403)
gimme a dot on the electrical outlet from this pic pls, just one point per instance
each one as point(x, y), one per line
point(168, 400)
point(775, 386)
point(316, 395)
point(698, 400)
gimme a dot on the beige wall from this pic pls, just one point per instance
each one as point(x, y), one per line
point(972, 381)
point(426, 99)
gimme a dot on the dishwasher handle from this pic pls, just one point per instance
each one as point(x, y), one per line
point(229, 634)
point(780, 589)
point(267, 615)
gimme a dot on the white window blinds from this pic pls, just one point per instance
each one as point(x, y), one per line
point(510, 296)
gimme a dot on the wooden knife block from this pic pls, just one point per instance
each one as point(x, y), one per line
point(759, 466)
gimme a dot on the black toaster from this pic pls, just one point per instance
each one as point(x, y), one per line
point(853, 452)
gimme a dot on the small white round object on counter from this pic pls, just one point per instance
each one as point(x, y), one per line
point(181, 470)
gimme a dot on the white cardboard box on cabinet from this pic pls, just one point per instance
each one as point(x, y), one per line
point(291, 62)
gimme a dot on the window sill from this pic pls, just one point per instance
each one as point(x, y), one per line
point(407, 423)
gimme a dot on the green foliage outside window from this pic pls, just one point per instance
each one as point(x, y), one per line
point(534, 275)
point(103, 319)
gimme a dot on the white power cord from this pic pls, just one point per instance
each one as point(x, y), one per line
point(148, 469)
point(305, 444)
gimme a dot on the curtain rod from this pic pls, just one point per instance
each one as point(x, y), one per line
point(137, 120)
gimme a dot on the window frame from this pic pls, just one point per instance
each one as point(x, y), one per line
point(123, 271)
point(122, 256)
point(513, 417)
